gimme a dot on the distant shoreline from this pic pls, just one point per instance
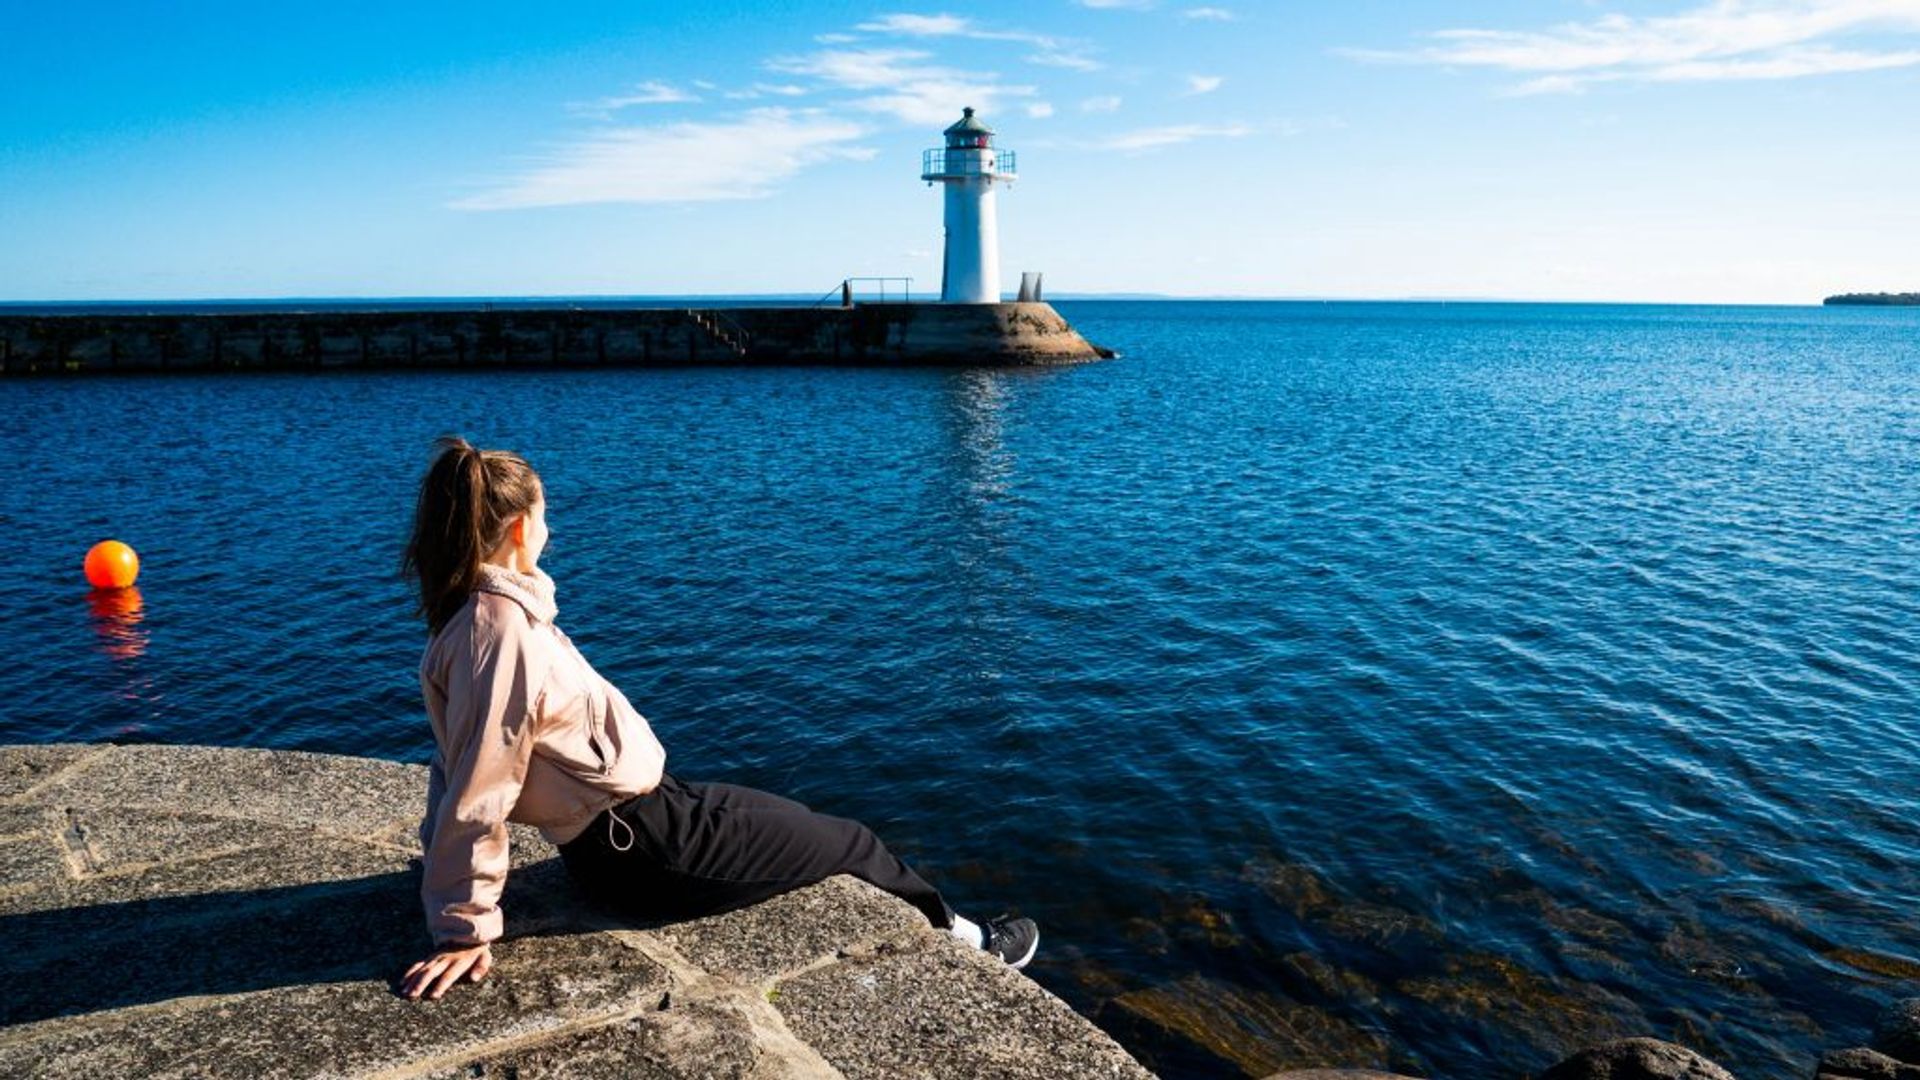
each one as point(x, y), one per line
point(371, 304)
point(1877, 299)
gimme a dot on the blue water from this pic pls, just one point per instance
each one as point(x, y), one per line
point(1441, 687)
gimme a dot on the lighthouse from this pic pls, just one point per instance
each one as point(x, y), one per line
point(969, 167)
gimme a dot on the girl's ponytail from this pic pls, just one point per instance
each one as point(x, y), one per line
point(466, 501)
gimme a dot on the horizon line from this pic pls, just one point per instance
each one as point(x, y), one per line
point(1126, 295)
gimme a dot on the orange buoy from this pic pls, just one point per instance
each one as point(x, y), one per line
point(112, 565)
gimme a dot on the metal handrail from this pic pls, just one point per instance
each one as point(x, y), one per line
point(845, 288)
point(943, 161)
point(726, 330)
point(731, 328)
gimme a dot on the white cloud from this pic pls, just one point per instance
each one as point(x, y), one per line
point(745, 158)
point(1720, 40)
point(646, 93)
point(1203, 84)
point(1783, 64)
point(1103, 103)
point(1207, 14)
point(902, 84)
point(858, 69)
point(748, 155)
point(917, 25)
point(835, 39)
point(760, 90)
point(1072, 58)
point(1172, 135)
point(1787, 64)
point(1050, 51)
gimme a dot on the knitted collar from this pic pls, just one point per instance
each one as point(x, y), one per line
point(531, 591)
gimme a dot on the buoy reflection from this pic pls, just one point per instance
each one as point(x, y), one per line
point(116, 616)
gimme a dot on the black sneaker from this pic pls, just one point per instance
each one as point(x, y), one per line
point(1012, 940)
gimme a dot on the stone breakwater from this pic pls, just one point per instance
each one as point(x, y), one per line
point(196, 912)
point(897, 334)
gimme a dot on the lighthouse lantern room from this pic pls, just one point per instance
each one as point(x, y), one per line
point(969, 167)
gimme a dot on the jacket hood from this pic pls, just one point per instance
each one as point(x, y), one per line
point(533, 592)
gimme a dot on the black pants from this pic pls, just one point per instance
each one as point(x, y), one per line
point(694, 849)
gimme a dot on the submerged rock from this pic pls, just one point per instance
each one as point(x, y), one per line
point(1637, 1059)
point(1898, 1033)
point(1337, 1074)
point(1894, 1055)
point(1512, 1002)
point(1861, 1063)
point(1256, 1031)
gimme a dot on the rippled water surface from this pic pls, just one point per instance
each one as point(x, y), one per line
point(1441, 687)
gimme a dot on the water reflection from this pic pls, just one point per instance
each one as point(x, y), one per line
point(116, 615)
point(978, 417)
point(118, 618)
point(979, 529)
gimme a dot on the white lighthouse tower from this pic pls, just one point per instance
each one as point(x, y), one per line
point(968, 167)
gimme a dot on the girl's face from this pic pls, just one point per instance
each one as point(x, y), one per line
point(533, 538)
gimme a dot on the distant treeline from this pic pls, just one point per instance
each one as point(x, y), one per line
point(1881, 299)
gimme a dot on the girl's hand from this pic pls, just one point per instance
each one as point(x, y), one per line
point(437, 973)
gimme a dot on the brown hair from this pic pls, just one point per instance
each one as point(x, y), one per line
point(467, 499)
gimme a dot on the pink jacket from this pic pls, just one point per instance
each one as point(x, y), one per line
point(525, 731)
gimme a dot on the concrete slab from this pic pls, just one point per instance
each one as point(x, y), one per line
point(90, 958)
point(943, 1010)
point(24, 768)
point(27, 862)
point(19, 821)
point(121, 838)
point(344, 795)
point(542, 986)
point(186, 911)
point(265, 866)
point(840, 916)
point(694, 1042)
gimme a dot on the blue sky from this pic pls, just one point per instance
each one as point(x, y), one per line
point(1685, 150)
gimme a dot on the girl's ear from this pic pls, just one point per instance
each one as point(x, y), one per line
point(519, 531)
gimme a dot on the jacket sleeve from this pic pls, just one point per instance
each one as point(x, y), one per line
point(485, 744)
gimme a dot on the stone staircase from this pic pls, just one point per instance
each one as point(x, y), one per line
point(729, 334)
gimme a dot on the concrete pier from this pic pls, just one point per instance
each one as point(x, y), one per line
point(884, 333)
point(197, 912)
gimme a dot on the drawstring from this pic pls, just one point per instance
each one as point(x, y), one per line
point(612, 820)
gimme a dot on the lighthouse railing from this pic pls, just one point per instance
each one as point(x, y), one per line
point(941, 161)
point(870, 290)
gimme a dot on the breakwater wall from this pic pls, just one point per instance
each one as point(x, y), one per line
point(259, 906)
point(897, 333)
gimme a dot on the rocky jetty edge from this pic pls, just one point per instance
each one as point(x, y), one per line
point(177, 911)
point(1021, 334)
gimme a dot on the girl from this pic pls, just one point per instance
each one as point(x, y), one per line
point(525, 730)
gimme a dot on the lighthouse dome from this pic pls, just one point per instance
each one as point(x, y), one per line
point(967, 131)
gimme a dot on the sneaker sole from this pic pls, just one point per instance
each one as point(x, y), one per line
point(1031, 949)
